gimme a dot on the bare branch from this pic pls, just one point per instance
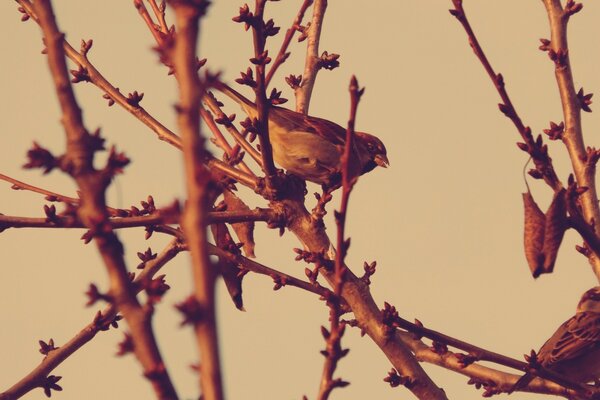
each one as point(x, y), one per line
point(102, 322)
point(199, 186)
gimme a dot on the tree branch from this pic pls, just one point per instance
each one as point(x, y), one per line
point(199, 186)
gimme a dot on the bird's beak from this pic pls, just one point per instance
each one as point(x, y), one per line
point(381, 160)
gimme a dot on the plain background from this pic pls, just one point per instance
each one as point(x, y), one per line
point(444, 222)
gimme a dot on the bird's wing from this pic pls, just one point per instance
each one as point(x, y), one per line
point(299, 122)
point(574, 337)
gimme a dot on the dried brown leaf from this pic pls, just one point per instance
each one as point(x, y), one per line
point(243, 230)
point(535, 222)
point(556, 225)
point(229, 271)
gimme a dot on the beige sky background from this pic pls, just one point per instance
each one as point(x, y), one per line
point(444, 222)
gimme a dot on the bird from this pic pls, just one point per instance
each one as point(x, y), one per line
point(311, 147)
point(574, 349)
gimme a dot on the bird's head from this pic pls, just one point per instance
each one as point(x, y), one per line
point(377, 154)
point(590, 301)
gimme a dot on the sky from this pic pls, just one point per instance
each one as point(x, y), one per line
point(444, 221)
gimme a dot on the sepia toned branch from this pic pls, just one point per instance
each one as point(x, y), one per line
point(493, 381)
point(78, 162)
point(283, 54)
point(237, 136)
point(101, 322)
point(477, 354)
point(582, 162)
point(535, 147)
point(334, 352)
point(136, 110)
point(281, 277)
point(260, 60)
point(199, 186)
point(222, 143)
point(311, 66)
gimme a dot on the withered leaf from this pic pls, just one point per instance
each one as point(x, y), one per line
point(556, 225)
point(243, 230)
point(229, 271)
point(535, 222)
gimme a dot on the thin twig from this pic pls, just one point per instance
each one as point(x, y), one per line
point(583, 167)
point(237, 136)
point(157, 218)
point(261, 269)
point(311, 66)
point(333, 337)
point(262, 103)
point(139, 112)
point(534, 147)
point(101, 322)
point(289, 34)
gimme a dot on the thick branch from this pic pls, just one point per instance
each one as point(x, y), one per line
point(199, 185)
point(311, 66)
point(92, 210)
point(573, 134)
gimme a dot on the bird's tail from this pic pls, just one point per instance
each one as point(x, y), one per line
point(234, 95)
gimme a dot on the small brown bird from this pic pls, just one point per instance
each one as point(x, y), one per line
point(311, 147)
point(574, 349)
